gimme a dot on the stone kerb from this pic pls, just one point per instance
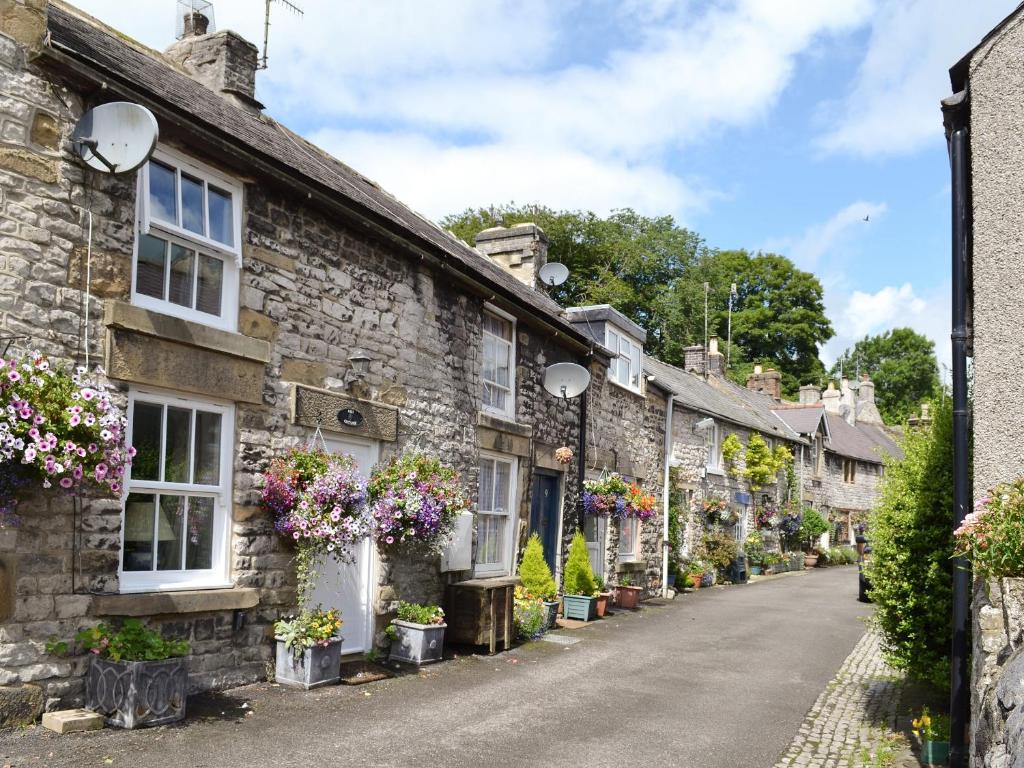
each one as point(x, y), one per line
point(997, 706)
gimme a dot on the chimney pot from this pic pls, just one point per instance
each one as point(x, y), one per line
point(196, 24)
point(758, 370)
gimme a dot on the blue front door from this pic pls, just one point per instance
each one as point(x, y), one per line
point(544, 514)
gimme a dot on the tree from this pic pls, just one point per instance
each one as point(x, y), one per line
point(901, 362)
point(911, 567)
point(534, 571)
point(578, 578)
point(653, 271)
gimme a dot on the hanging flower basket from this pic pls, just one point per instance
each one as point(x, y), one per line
point(58, 429)
point(611, 496)
point(414, 502)
point(712, 508)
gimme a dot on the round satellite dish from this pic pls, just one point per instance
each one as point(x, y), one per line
point(566, 380)
point(117, 137)
point(554, 273)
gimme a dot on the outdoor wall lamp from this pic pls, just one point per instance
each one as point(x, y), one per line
point(360, 362)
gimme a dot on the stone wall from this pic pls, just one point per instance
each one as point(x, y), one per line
point(997, 695)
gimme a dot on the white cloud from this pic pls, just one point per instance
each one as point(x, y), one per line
point(820, 240)
point(893, 105)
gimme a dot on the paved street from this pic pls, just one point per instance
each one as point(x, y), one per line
point(723, 677)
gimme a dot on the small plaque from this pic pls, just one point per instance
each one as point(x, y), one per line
point(350, 417)
point(312, 407)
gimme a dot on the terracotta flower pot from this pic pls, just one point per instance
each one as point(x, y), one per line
point(810, 561)
point(627, 597)
point(602, 603)
point(695, 580)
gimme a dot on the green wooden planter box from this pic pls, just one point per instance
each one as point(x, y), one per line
point(935, 752)
point(579, 607)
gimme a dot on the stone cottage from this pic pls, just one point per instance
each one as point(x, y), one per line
point(248, 293)
point(983, 125)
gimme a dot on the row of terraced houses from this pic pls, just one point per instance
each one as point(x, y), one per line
point(244, 289)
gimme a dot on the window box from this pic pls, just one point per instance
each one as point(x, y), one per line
point(133, 694)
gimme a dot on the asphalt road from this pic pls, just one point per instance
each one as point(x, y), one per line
point(722, 677)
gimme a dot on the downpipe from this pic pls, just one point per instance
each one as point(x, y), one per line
point(665, 544)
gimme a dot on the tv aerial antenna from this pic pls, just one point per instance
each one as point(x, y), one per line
point(266, 26)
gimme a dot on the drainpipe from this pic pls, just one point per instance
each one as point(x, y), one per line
point(665, 494)
point(956, 117)
point(581, 460)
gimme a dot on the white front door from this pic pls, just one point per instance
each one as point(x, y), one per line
point(595, 531)
point(348, 586)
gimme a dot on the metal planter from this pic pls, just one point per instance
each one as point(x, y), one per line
point(550, 613)
point(417, 643)
point(133, 694)
point(318, 665)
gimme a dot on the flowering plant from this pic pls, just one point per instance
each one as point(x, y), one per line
point(304, 631)
point(414, 502)
point(766, 516)
point(133, 641)
point(929, 727)
point(563, 455)
point(317, 500)
point(992, 536)
point(529, 615)
point(611, 495)
point(712, 507)
point(57, 427)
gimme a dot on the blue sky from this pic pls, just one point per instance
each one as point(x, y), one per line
point(761, 124)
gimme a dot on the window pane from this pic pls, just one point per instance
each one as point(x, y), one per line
point(626, 536)
point(486, 503)
point(146, 439)
point(192, 204)
point(170, 522)
point(211, 279)
point(182, 264)
point(503, 353)
point(489, 361)
point(149, 269)
point(490, 539)
point(502, 479)
point(176, 448)
point(199, 537)
point(163, 198)
point(207, 450)
point(221, 216)
point(634, 359)
point(138, 531)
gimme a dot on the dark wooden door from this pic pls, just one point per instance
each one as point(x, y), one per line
point(544, 514)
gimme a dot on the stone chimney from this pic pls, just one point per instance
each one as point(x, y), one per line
point(809, 395)
point(769, 382)
point(520, 250)
point(693, 359)
point(867, 411)
point(716, 360)
point(848, 402)
point(225, 62)
point(831, 398)
point(24, 21)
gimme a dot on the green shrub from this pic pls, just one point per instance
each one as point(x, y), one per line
point(754, 548)
point(534, 572)
point(719, 549)
point(415, 613)
point(579, 577)
point(812, 526)
point(133, 641)
point(675, 526)
point(911, 566)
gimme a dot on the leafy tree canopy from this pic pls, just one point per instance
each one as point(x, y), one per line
point(653, 271)
point(901, 362)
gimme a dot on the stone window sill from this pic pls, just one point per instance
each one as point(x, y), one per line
point(498, 424)
point(169, 603)
point(628, 566)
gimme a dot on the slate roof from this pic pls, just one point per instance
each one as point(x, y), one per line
point(722, 400)
point(803, 421)
point(866, 442)
point(149, 72)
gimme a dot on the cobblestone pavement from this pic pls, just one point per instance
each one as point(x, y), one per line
point(856, 711)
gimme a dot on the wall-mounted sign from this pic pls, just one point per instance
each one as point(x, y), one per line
point(741, 497)
point(350, 417)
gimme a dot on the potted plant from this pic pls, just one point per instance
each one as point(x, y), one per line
point(812, 526)
point(308, 649)
point(417, 634)
point(719, 550)
point(933, 731)
point(529, 614)
point(136, 676)
point(754, 548)
point(707, 579)
point(603, 596)
point(774, 562)
point(537, 580)
point(626, 595)
point(578, 588)
point(695, 573)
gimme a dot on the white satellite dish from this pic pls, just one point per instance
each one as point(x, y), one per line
point(553, 274)
point(566, 380)
point(117, 137)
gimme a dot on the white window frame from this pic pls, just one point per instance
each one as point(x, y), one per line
point(713, 449)
point(216, 576)
point(633, 524)
point(173, 232)
point(509, 412)
point(625, 349)
point(504, 567)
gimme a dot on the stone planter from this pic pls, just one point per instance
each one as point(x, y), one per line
point(935, 752)
point(319, 665)
point(579, 607)
point(601, 607)
point(550, 613)
point(628, 597)
point(133, 694)
point(417, 643)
